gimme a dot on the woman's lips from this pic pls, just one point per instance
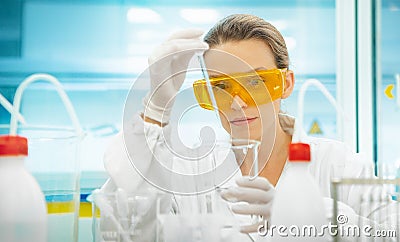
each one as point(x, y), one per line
point(242, 121)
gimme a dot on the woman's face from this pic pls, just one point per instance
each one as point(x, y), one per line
point(242, 120)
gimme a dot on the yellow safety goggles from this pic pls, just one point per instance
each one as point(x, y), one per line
point(255, 88)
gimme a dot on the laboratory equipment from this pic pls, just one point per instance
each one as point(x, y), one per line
point(298, 202)
point(378, 215)
point(300, 104)
point(10, 108)
point(246, 154)
point(204, 216)
point(213, 227)
point(54, 162)
point(121, 216)
point(211, 164)
point(22, 205)
point(209, 88)
point(254, 88)
point(60, 91)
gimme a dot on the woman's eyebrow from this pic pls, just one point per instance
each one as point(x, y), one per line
point(260, 68)
point(255, 69)
point(213, 75)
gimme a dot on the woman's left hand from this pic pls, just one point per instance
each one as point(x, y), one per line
point(253, 196)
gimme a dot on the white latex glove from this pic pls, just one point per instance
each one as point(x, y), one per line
point(251, 197)
point(167, 65)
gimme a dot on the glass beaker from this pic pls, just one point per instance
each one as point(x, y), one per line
point(246, 155)
point(200, 214)
point(125, 217)
point(53, 160)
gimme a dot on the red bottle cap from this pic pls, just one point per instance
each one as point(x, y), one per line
point(13, 145)
point(299, 152)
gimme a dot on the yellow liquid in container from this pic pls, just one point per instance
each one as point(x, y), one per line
point(60, 207)
point(62, 214)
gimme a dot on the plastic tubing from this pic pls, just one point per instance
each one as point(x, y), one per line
point(300, 102)
point(51, 79)
point(9, 107)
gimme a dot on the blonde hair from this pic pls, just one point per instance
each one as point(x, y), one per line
point(238, 27)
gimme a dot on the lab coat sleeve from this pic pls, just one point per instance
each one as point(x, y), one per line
point(130, 159)
point(134, 153)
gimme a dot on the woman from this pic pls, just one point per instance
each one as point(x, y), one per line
point(237, 44)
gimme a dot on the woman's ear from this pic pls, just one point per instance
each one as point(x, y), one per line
point(289, 84)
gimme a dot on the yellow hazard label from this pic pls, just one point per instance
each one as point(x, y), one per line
point(315, 128)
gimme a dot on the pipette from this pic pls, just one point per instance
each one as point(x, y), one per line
point(209, 87)
point(216, 111)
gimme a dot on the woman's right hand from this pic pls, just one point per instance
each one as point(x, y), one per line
point(168, 65)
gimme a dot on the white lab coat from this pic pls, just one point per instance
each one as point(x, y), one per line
point(330, 159)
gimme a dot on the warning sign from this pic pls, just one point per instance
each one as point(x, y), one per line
point(315, 128)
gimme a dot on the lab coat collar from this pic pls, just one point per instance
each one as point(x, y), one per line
point(290, 126)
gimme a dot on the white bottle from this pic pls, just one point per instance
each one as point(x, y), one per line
point(298, 206)
point(23, 212)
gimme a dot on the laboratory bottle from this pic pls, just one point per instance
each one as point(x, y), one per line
point(23, 212)
point(298, 212)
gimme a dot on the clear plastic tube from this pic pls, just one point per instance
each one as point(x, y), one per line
point(300, 104)
point(10, 108)
point(67, 103)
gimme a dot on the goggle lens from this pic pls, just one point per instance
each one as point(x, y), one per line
point(256, 88)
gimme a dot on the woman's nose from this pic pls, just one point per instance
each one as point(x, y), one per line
point(238, 103)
